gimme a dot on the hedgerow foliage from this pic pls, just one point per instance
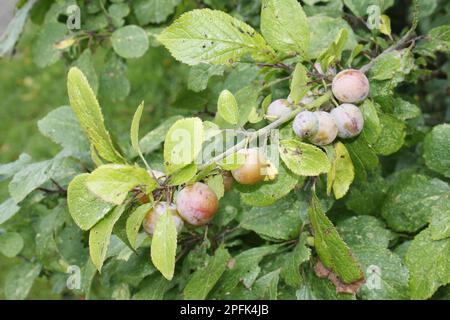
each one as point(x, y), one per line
point(360, 218)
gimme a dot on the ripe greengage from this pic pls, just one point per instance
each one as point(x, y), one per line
point(197, 204)
point(252, 171)
point(349, 120)
point(350, 86)
point(155, 213)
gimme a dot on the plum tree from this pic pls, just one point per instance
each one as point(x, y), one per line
point(197, 204)
point(153, 215)
point(349, 120)
point(350, 86)
point(277, 109)
point(252, 171)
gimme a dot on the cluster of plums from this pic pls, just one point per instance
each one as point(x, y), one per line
point(197, 204)
point(320, 127)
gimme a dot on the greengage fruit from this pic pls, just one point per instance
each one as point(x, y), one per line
point(349, 120)
point(253, 168)
point(350, 86)
point(155, 213)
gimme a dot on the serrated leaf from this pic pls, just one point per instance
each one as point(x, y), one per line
point(183, 175)
point(100, 234)
point(437, 149)
point(164, 245)
point(8, 209)
point(245, 268)
point(267, 193)
point(372, 127)
point(216, 184)
point(204, 279)
point(279, 221)
point(303, 159)
point(365, 231)
point(134, 223)
point(86, 64)
point(20, 279)
point(407, 206)
point(386, 66)
point(266, 287)
point(134, 131)
point(11, 243)
point(285, 27)
point(44, 51)
point(200, 74)
point(440, 221)
point(211, 36)
point(87, 110)
point(112, 182)
point(62, 127)
point(387, 277)
point(85, 208)
point(114, 83)
point(153, 11)
point(363, 156)
point(341, 173)
point(428, 263)
point(183, 143)
point(291, 268)
point(8, 170)
point(130, 41)
point(227, 107)
point(299, 84)
point(332, 250)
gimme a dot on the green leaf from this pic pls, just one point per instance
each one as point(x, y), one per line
point(280, 221)
point(386, 66)
point(130, 41)
point(392, 135)
point(153, 288)
point(8, 170)
point(333, 53)
point(324, 31)
point(62, 127)
point(11, 243)
point(437, 149)
point(227, 107)
point(332, 250)
point(86, 64)
point(87, 110)
point(372, 126)
point(211, 36)
point(14, 28)
point(153, 11)
point(134, 131)
point(267, 193)
point(364, 158)
point(285, 27)
point(112, 182)
point(245, 269)
point(44, 51)
point(409, 200)
point(359, 7)
point(303, 159)
point(365, 231)
point(387, 277)
point(216, 184)
point(266, 287)
point(200, 74)
point(291, 268)
point(134, 223)
point(20, 279)
point(164, 245)
point(84, 207)
point(8, 209)
point(204, 279)
point(428, 262)
point(247, 101)
point(299, 84)
point(100, 235)
point(113, 81)
point(184, 175)
point(404, 110)
point(153, 139)
point(440, 221)
point(341, 173)
point(183, 143)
